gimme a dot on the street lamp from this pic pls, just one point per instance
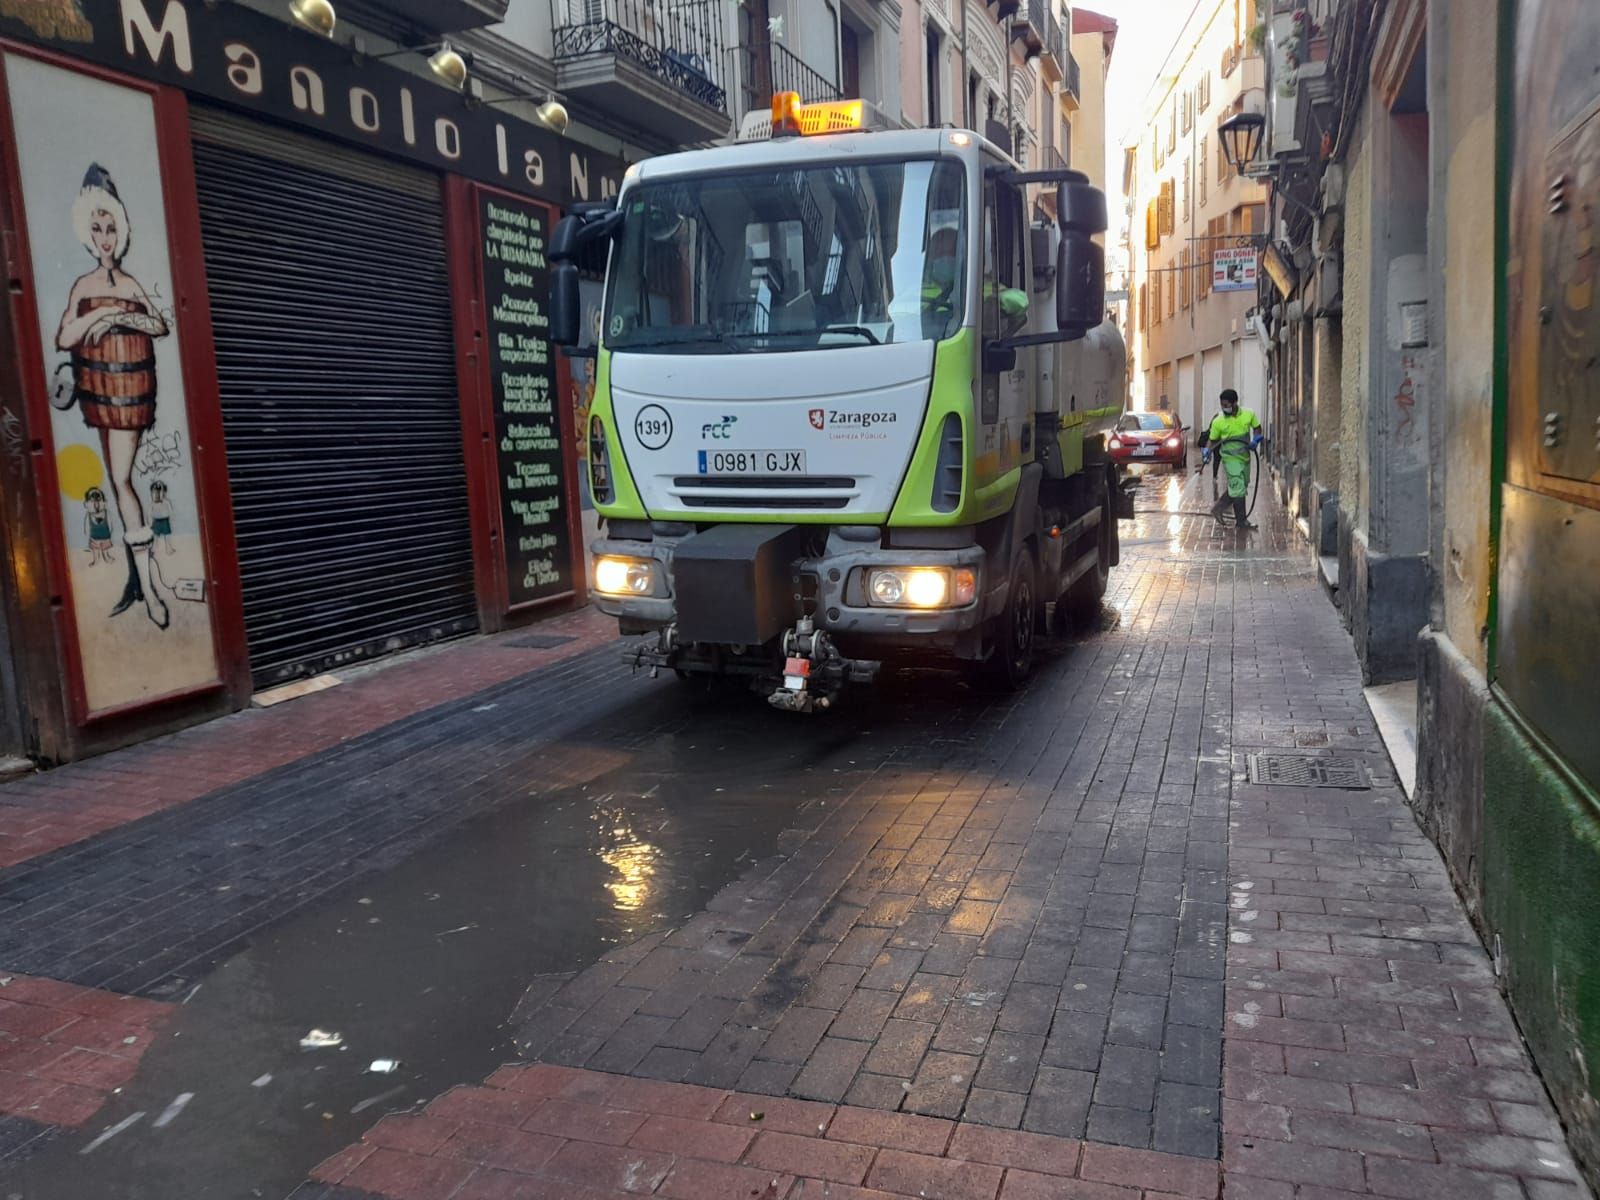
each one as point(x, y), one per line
point(1241, 139)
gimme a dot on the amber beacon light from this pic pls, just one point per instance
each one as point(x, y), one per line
point(791, 118)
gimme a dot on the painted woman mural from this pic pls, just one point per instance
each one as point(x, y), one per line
point(111, 352)
point(108, 327)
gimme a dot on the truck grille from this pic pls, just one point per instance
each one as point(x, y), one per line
point(809, 502)
point(735, 482)
point(765, 491)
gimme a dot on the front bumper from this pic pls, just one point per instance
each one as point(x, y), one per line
point(833, 584)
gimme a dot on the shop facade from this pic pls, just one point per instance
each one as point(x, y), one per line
point(275, 389)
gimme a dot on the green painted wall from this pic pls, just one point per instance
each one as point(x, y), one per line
point(1541, 894)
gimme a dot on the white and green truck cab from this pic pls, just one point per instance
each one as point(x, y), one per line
point(851, 400)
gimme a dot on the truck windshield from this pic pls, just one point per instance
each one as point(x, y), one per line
point(792, 259)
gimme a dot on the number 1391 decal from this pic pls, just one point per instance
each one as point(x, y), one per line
point(653, 427)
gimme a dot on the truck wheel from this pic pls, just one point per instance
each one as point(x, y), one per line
point(1081, 601)
point(1013, 634)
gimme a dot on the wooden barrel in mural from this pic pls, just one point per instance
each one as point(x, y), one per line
point(115, 377)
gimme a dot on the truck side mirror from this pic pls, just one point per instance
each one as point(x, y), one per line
point(565, 306)
point(1080, 207)
point(1080, 283)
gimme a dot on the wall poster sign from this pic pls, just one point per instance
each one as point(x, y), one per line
point(90, 178)
point(1233, 270)
point(533, 479)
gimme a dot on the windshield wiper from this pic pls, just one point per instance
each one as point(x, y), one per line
point(702, 337)
point(858, 330)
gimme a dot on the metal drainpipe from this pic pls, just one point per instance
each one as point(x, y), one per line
point(966, 67)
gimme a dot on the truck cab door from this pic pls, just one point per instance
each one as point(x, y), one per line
point(1006, 400)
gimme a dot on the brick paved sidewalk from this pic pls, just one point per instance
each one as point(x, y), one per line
point(42, 813)
point(553, 1132)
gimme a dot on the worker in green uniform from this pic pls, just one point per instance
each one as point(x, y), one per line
point(942, 277)
point(1234, 433)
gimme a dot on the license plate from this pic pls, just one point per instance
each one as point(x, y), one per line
point(1144, 451)
point(752, 462)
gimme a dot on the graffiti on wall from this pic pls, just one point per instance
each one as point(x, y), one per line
point(93, 194)
point(1405, 400)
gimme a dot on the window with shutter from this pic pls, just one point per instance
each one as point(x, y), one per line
point(1200, 168)
point(1152, 225)
point(1183, 277)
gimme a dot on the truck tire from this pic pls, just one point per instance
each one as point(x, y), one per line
point(1081, 602)
point(1014, 631)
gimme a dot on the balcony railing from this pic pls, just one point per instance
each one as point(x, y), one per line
point(1054, 160)
point(1072, 79)
point(1036, 25)
point(679, 42)
point(769, 67)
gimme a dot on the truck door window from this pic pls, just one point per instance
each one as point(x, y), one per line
point(1013, 232)
point(1005, 296)
point(991, 259)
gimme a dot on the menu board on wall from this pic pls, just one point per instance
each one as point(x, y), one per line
point(527, 420)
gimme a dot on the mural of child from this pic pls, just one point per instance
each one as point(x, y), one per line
point(97, 525)
point(161, 516)
point(108, 327)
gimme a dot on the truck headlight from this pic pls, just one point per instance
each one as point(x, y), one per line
point(922, 587)
point(618, 576)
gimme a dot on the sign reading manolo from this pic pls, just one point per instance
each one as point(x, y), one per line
point(239, 56)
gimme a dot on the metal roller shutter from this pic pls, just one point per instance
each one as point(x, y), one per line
point(336, 360)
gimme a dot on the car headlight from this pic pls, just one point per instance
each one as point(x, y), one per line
point(922, 587)
point(618, 576)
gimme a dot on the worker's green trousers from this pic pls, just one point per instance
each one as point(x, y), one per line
point(1237, 465)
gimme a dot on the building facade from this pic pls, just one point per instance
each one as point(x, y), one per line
point(1094, 40)
point(1435, 169)
point(1195, 226)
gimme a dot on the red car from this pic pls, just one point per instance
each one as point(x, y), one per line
point(1149, 437)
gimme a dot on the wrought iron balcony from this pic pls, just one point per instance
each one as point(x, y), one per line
point(1037, 27)
point(768, 67)
point(660, 61)
point(1072, 82)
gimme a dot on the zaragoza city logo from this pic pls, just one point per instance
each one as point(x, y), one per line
point(60, 20)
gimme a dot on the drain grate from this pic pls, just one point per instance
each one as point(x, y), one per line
point(1308, 770)
point(542, 641)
